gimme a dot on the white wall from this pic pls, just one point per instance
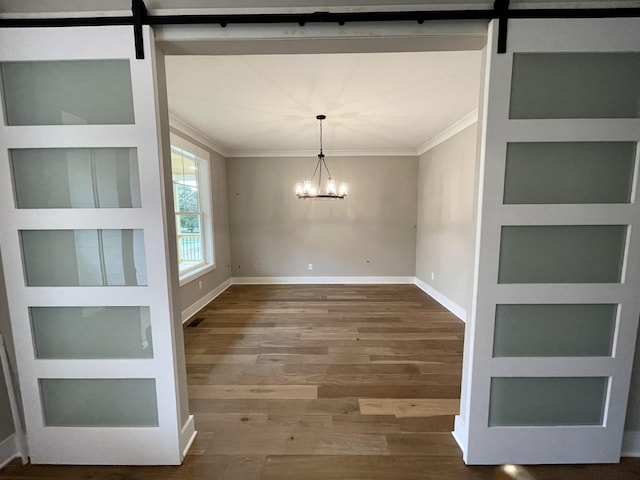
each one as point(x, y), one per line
point(369, 233)
point(445, 238)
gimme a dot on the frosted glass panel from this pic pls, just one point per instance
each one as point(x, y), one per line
point(99, 402)
point(547, 401)
point(554, 330)
point(92, 332)
point(569, 172)
point(76, 178)
point(56, 258)
point(575, 85)
point(562, 254)
point(84, 92)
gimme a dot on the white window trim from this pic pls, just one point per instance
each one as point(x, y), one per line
point(191, 275)
point(208, 246)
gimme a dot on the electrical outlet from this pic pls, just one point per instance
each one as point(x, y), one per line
point(433, 276)
point(311, 266)
point(199, 284)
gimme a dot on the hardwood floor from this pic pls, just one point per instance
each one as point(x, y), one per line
point(322, 383)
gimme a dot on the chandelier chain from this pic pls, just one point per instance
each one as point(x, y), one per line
point(321, 138)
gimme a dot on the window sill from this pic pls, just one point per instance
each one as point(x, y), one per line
point(192, 275)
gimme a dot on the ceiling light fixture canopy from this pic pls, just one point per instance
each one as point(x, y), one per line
point(309, 188)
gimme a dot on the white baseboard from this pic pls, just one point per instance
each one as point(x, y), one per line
point(460, 434)
point(190, 311)
point(447, 303)
point(631, 444)
point(320, 280)
point(187, 435)
point(8, 450)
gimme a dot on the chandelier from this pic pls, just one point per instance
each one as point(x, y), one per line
point(311, 189)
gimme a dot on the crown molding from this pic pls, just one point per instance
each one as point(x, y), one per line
point(449, 132)
point(329, 154)
point(195, 134)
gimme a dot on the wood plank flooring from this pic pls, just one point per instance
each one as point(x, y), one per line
point(322, 383)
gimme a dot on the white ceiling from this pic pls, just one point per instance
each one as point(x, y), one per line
point(382, 103)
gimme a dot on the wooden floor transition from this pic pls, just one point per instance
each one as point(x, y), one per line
point(323, 383)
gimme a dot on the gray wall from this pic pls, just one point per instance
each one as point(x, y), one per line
point(6, 421)
point(370, 233)
point(190, 293)
point(445, 239)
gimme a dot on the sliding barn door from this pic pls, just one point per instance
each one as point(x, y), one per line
point(85, 247)
point(551, 340)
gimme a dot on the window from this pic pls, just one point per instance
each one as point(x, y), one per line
point(192, 206)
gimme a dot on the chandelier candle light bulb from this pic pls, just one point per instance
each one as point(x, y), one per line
point(331, 187)
point(308, 188)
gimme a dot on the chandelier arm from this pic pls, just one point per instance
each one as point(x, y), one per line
point(327, 168)
point(316, 169)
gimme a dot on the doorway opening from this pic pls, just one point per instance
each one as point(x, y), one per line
point(402, 129)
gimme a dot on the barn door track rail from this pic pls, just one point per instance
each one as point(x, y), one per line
point(140, 16)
